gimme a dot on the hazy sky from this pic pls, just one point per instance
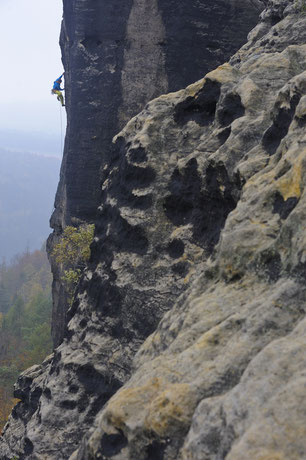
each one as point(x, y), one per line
point(30, 62)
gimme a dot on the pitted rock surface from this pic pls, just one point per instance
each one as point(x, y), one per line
point(186, 340)
point(118, 55)
point(223, 374)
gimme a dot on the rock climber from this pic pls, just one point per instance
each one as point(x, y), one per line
point(57, 90)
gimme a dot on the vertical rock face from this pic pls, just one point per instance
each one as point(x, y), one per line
point(118, 56)
point(186, 338)
point(228, 158)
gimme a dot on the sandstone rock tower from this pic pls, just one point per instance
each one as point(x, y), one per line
point(186, 339)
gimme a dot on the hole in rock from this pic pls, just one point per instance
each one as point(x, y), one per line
point(204, 205)
point(155, 451)
point(181, 268)
point(284, 207)
point(69, 405)
point(28, 446)
point(279, 129)
point(47, 393)
point(137, 155)
point(176, 248)
point(112, 444)
point(231, 108)
point(96, 383)
point(83, 323)
point(275, 19)
point(73, 389)
point(224, 135)
point(201, 108)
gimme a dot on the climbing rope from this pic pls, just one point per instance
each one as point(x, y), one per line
point(60, 106)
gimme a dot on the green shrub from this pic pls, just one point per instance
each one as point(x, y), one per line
point(72, 252)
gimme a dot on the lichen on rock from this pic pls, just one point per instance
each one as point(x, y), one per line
point(213, 373)
point(186, 338)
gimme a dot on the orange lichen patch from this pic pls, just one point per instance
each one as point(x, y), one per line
point(193, 89)
point(171, 409)
point(128, 403)
point(290, 184)
point(223, 74)
point(158, 405)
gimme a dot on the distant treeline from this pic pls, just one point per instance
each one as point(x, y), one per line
point(27, 187)
point(25, 317)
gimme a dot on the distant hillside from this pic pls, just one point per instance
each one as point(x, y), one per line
point(31, 142)
point(27, 188)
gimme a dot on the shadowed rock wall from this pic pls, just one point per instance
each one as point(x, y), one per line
point(117, 56)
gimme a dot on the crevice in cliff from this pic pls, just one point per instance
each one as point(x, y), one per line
point(284, 207)
point(201, 108)
point(112, 444)
point(231, 109)
point(204, 204)
point(281, 122)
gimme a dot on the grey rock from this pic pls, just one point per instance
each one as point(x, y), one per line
point(223, 375)
point(118, 56)
point(263, 417)
point(186, 338)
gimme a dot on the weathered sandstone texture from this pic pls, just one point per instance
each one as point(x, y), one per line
point(187, 338)
point(118, 55)
point(224, 374)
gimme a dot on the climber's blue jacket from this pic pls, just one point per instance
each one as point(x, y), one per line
point(57, 84)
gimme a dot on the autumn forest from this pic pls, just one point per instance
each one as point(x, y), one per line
point(25, 311)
